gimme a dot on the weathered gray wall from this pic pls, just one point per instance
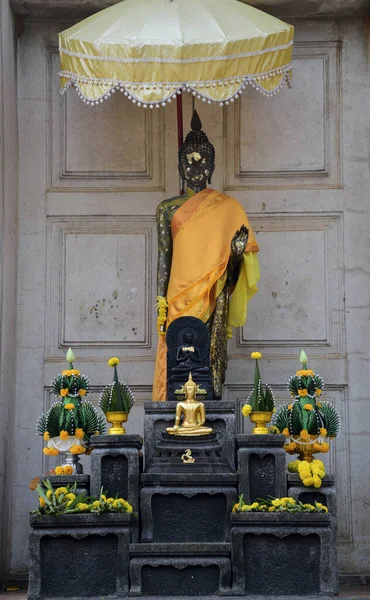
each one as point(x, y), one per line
point(89, 182)
point(8, 262)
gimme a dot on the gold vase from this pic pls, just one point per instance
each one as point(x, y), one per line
point(116, 417)
point(305, 451)
point(260, 418)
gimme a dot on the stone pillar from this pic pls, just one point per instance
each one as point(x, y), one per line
point(116, 465)
point(8, 266)
point(261, 466)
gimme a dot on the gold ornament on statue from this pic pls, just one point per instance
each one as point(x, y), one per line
point(192, 411)
point(187, 458)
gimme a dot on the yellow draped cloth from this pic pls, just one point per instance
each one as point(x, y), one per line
point(202, 230)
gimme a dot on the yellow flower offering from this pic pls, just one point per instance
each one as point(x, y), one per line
point(69, 372)
point(302, 393)
point(68, 470)
point(58, 471)
point(285, 432)
point(64, 392)
point(113, 362)
point(64, 435)
point(305, 435)
point(318, 392)
point(323, 431)
point(305, 373)
point(69, 406)
point(246, 410)
point(79, 433)
point(46, 436)
point(308, 407)
point(50, 451)
point(77, 449)
point(61, 490)
point(42, 503)
point(82, 393)
point(256, 355)
point(82, 506)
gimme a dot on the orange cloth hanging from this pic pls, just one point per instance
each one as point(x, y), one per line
point(202, 230)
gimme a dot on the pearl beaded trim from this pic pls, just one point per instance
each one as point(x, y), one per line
point(171, 90)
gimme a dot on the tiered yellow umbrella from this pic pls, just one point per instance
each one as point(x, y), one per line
point(153, 50)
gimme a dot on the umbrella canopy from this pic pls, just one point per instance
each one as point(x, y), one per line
point(152, 50)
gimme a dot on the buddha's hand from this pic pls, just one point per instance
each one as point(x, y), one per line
point(239, 243)
point(161, 308)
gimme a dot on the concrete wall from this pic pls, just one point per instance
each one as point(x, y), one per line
point(89, 182)
point(8, 261)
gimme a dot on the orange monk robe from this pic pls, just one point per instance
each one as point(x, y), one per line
point(202, 230)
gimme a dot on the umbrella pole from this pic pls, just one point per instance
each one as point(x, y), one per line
point(180, 129)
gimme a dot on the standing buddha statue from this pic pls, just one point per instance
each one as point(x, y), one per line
point(207, 258)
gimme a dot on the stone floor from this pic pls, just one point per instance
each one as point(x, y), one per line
point(348, 593)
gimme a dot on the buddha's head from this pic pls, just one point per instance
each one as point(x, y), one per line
point(196, 157)
point(190, 389)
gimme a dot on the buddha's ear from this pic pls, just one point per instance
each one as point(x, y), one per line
point(210, 175)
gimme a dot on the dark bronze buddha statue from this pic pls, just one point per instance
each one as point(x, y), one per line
point(203, 237)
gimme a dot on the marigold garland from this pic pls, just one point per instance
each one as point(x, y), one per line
point(311, 474)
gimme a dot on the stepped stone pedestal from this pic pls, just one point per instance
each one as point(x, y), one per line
point(198, 569)
point(160, 415)
point(261, 466)
point(116, 466)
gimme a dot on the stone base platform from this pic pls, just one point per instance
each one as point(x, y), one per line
point(179, 507)
point(178, 569)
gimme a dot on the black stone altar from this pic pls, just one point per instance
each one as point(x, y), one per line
point(278, 554)
point(187, 340)
point(190, 542)
point(79, 555)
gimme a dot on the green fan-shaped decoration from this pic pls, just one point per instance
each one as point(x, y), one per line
point(281, 418)
point(331, 419)
point(110, 401)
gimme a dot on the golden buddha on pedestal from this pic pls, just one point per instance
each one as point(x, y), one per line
point(192, 411)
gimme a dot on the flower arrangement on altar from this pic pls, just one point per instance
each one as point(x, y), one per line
point(116, 401)
point(311, 474)
point(64, 500)
point(260, 404)
point(307, 423)
point(70, 422)
point(278, 505)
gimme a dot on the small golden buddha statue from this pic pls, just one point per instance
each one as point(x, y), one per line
point(193, 412)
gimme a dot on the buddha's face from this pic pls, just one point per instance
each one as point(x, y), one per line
point(198, 168)
point(190, 391)
point(188, 338)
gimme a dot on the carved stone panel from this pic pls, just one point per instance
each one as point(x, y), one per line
point(297, 144)
point(91, 147)
point(99, 285)
point(300, 298)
